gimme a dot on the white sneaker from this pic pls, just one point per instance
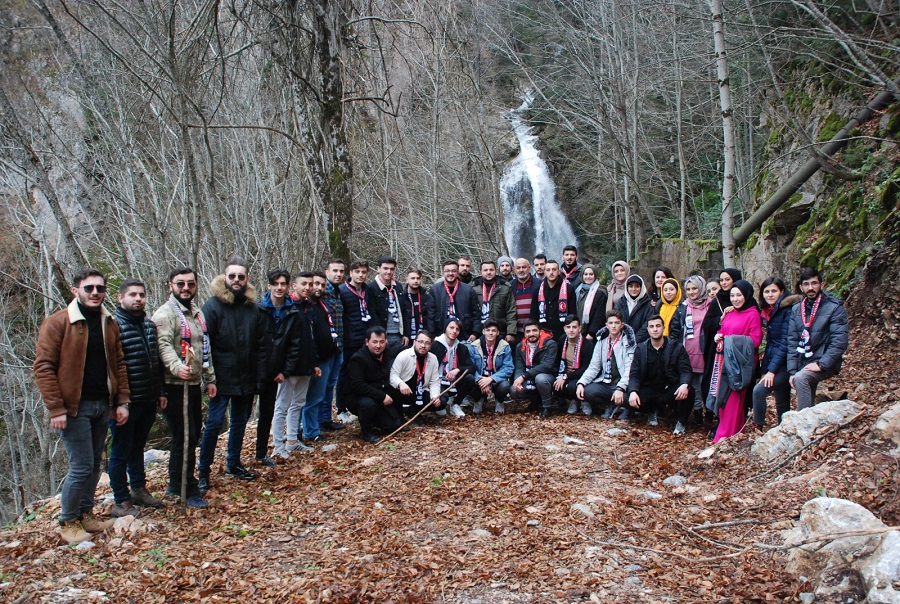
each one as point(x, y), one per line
point(441, 412)
point(652, 420)
point(280, 452)
point(346, 417)
point(455, 411)
point(298, 446)
point(478, 407)
point(498, 408)
point(573, 408)
point(679, 428)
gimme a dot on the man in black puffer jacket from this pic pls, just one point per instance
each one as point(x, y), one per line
point(145, 376)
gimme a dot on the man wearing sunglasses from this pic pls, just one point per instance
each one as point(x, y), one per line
point(238, 341)
point(183, 340)
point(80, 371)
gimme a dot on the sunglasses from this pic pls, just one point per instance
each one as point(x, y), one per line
point(185, 284)
point(101, 289)
point(236, 277)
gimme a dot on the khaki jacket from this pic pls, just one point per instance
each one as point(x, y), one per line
point(168, 327)
point(59, 362)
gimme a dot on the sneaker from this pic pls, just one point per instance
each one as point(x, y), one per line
point(455, 411)
point(478, 407)
point(203, 483)
point(625, 416)
point(126, 508)
point(346, 417)
point(545, 412)
point(586, 408)
point(331, 426)
point(466, 402)
point(369, 437)
point(652, 419)
point(498, 408)
point(240, 472)
point(679, 428)
point(195, 501)
point(298, 446)
point(315, 439)
point(441, 412)
point(95, 524)
point(573, 408)
point(266, 461)
point(72, 532)
point(281, 453)
point(609, 411)
point(142, 497)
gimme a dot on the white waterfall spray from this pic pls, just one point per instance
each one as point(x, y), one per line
point(533, 221)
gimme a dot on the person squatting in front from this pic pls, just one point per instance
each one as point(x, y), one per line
point(535, 370)
point(415, 378)
point(575, 352)
point(604, 382)
point(495, 366)
point(453, 359)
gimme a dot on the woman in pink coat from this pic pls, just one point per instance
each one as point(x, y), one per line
point(743, 320)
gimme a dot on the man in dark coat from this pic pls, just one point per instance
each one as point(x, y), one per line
point(575, 351)
point(145, 379)
point(369, 378)
point(450, 298)
point(535, 359)
point(661, 375)
point(495, 302)
point(237, 337)
point(553, 300)
point(389, 305)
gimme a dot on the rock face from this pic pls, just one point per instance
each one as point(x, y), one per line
point(798, 428)
point(850, 569)
point(887, 426)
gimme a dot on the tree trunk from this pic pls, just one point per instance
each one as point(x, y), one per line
point(728, 185)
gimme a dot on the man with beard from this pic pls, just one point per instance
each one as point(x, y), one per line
point(539, 262)
point(505, 269)
point(145, 380)
point(495, 302)
point(570, 267)
point(818, 336)
point(181, 326)
point(80, 371)
point(415, 377)
point(535, 359)
point(450, 299)
point(415, 302)
point(523, 287)
point(237, 337)
point(368, 383)
point(552, 301)
point(465, 269)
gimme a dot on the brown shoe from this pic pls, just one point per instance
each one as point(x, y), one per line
point(126, 508)
point(142, 497)
point(72, 532)
point(95, 524)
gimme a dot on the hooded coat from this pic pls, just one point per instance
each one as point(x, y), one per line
point(642, 310)
point(237, 339)
point(776, 329)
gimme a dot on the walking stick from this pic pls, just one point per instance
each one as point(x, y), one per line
point(422, 410)
point(189, 361)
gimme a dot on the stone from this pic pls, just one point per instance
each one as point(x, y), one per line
point(370, 461)
point(84, 546)
point(651, 495)
point(675, 481)
point(329, 447)
point(583, 509)
point(533, 522)
point(633, 568)
point(856, 568)
point(128, 525)
point(615, 431)
point(798, 428)
point(887, 426)
point(152, 456)
point(707, 452)
point(480, 533)
point(568, 440)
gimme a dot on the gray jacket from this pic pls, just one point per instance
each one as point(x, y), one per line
point(829, 336)
point(738, 363)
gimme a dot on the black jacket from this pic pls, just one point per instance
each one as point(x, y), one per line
point(545, 358)
point(637, 319)
point(463, 358)
point(279, 338)
point(368, 377)
point(326, 346)
point(303, 355)
point(380, 302)
point(675, 359)
point(587, 351)
point(436, 309)
point(139, 346)
point(552, 321)
point(416, 304)
point(597, 317)
point(354, 327)
point(237, 340)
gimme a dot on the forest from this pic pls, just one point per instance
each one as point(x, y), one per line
point(141, 135)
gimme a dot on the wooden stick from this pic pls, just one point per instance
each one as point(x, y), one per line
point(188, 360)
point(424, 407)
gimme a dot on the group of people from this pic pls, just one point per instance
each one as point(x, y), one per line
point(384, 353)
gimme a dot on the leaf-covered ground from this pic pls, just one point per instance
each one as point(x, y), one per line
point(485, 510)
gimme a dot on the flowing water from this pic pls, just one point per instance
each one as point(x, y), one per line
point(533, 221)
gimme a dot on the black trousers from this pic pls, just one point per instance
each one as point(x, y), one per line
point(655, 399)
point(375, 415)
point(464, 388)
point(341, 393)
point(266, 412)
point(174, 412)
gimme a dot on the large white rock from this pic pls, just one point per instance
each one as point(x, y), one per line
point(850, 568)
point(798, 428)
point(887, 426)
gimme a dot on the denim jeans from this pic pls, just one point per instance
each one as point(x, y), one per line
point(325, 409)
point(781, 386)
point(126, 455)
point(215, 417)
point(84, 437)
point(317, 397)
point(288, 406)
point(174, 413)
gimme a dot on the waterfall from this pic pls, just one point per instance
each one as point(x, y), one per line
point(533, 221)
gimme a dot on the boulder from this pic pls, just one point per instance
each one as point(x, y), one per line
point(887, 426)
point(859, 568)
point(798, 428)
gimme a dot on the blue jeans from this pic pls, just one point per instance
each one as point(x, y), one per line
point(215, 417)
point(127, 450)
point(84, 437)
point(334, 372)
point(315, 400)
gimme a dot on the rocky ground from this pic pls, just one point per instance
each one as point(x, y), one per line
point(485, 510)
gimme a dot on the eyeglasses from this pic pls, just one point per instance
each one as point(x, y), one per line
point(101, 289)
point(236, 277)
point(185, 284)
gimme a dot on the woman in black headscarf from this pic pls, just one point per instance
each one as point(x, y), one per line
point(713, 320)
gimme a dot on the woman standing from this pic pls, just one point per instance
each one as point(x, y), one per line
point(616, 288)
point(776, 313)
point(668, 304)
point(737, 346)
point(659, 276)
point(687, 327)
point(590, 301)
